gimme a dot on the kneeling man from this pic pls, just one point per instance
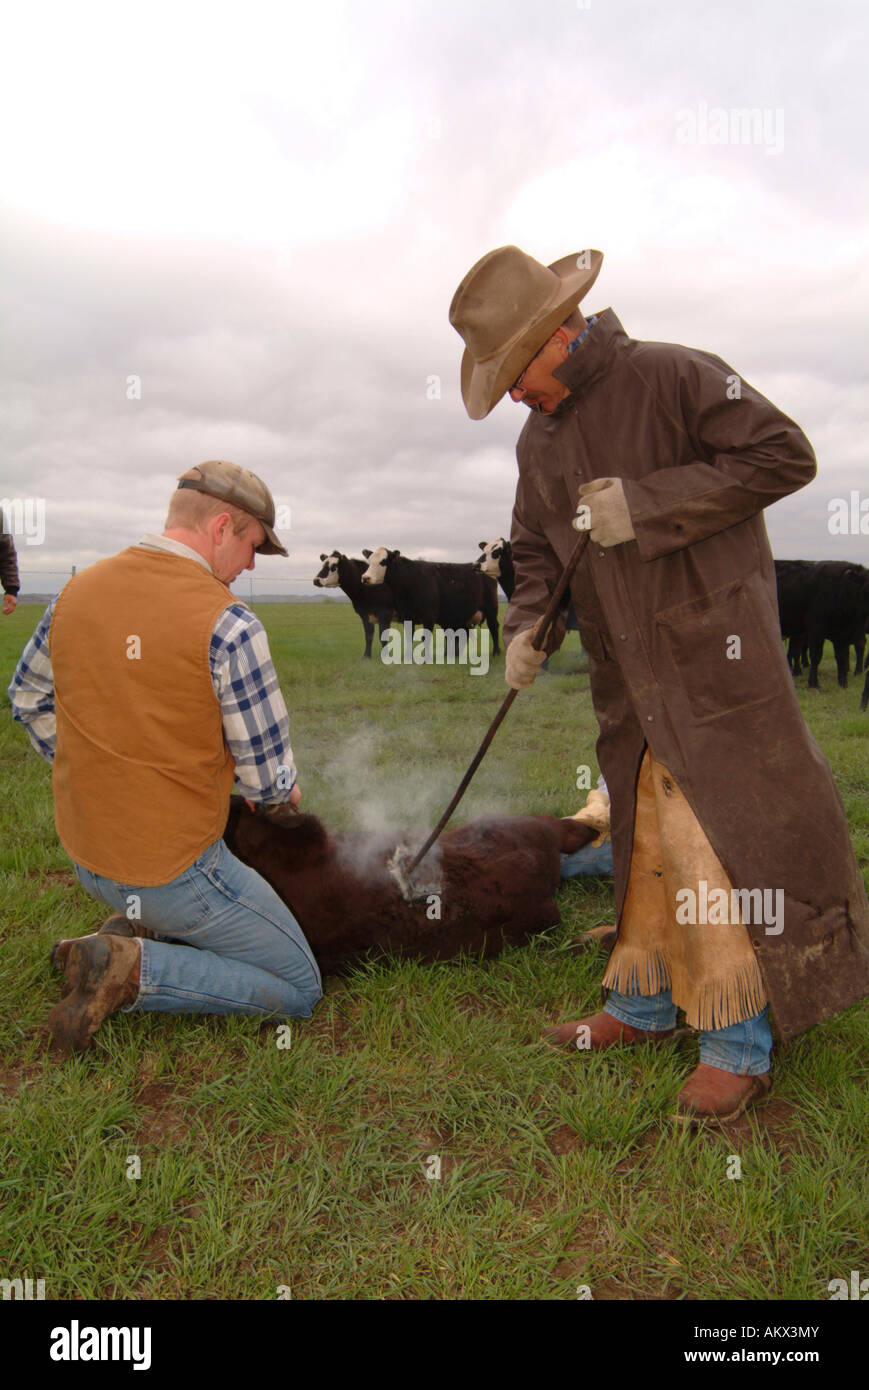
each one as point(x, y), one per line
point(152, 690)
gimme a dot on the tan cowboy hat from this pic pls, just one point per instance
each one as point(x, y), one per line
point(505, 309)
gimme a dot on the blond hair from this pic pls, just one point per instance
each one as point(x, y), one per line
point(193, 510)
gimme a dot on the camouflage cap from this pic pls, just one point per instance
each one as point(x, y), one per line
point(229, 482)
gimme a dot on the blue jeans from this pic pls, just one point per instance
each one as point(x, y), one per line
point(252, 956)
point(588, 862)
point(742, 1048)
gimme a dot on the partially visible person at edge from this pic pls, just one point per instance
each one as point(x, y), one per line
point(667, 457)
point(8, 568)
point(152, 690)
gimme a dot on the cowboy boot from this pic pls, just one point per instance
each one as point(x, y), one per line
point(116, 925)
point(102, 974)
point(604, 1031)
point(122, 926)
point(713, 1094)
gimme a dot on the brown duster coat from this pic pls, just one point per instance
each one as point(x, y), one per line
point(656, 615)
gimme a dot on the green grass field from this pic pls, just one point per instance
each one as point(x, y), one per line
point(304, 1169)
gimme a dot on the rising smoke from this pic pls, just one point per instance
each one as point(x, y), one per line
point(385, 804)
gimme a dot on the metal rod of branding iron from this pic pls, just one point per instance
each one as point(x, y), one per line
point(537, 644)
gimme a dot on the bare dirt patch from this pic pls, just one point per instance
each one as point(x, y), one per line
point(64, 877)
point(610, 1291)
point(12, 1078)
point(779, 1124)
point(564, 1140)
point(159, 1119)
point(588, 1242)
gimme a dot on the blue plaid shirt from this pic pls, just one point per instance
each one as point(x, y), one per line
point(592, 319)
point(256, 725)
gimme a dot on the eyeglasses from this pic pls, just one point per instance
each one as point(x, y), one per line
point(517, 384)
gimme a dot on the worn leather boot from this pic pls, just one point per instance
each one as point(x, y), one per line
point(116, 925)
point(122, 926)
point(603, 1031)
point(713, 1094)
point(102, 976)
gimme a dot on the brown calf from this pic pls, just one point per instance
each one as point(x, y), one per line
point(496, 880)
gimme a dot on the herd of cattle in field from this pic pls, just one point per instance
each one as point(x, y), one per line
point(819, 600)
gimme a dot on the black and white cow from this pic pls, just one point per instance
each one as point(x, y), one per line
point(374, 603)
point(497, 560)
point(435, 592)
point(412, 583)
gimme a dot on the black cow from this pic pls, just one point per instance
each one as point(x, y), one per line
point(838, 613)
point(860, 648)
point(822, 600)
point(434, 592)
point(795, 585)
point(468, 598)
point(373, 603)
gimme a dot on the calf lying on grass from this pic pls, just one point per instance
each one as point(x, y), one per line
point(495, 882)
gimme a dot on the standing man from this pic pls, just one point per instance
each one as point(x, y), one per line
point(151, 689)
point(736, 884)
point(8, 568)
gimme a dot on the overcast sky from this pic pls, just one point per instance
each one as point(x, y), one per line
point(262, 212)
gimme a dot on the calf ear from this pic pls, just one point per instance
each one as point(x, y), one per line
point(482, 545)
point(322, 557)
point(367, 554)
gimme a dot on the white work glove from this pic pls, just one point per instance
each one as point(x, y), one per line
point(602, 510)
point(523, 662)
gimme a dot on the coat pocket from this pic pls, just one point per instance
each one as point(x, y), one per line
point(718, 649)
